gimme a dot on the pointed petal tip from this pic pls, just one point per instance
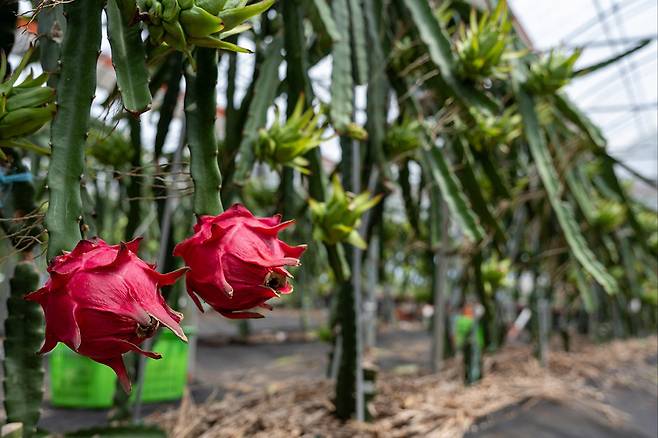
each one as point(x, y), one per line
point(179, 249)
point(226, 287)
point(119, 368)
point(125, 385)
point(170, 277)
point(133, 245)
point(35, 295)
point(123, 255)
point(293, 251)
point(193, 296)
point(77, 339)
point(283, 271)
point(237, 209)
point(291, 261)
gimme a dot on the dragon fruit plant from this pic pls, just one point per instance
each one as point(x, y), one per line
point(184, 24)
point(520, 183)
point(25, 107)
point(102, 300)
point(338, 219)
point(285, 144)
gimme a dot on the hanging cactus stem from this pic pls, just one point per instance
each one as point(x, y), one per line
point(200, 108)
point(75, 92)
point(128, 57)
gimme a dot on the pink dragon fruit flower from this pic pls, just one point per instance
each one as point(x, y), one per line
point(237, 262)
point(103, 300)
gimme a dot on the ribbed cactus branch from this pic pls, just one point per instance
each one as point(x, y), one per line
point(23, 368)
point(342, 93)
point(345, 401)
point(298, 83)
point(200, 110)
point(349, 396)
point(410, 204)
point(473, 190)
point(296, 62)
point(265, 90)
point(359, 46)
point(75, 92)
point(378, 86)
point(51, 27)
point(128, 55)
point(173, 74)
point(552, 184)
point(133, 191)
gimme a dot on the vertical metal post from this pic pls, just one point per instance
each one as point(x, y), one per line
point(543, 310)
point(356, 287)
point(370, 304)
point(170, 207)
point(439, 286)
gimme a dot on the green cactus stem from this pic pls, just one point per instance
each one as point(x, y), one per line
point(342, 93)
point(75, 92)
point(51, 28)
point(298, 83)
point(200, 108)
point(135, 186)
point(128, 56)
point(23, 369)
point(345, 401)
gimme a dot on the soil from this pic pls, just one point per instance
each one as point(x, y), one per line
point(275, 385)
point(604, 391)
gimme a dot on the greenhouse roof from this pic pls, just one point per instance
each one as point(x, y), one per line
point(621, 98)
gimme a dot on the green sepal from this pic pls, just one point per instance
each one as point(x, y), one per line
point(198, 23)
point(215, 43)
point(236, 16)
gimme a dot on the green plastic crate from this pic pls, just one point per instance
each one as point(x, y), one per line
point(78, 382)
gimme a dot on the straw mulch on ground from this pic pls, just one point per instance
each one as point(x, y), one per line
point(430, 405)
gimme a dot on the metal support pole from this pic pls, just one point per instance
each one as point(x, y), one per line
point(370, 305)
point(439, 285)
point(170, 207)
point(356, 287)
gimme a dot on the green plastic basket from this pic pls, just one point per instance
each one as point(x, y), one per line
point(78, 382)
